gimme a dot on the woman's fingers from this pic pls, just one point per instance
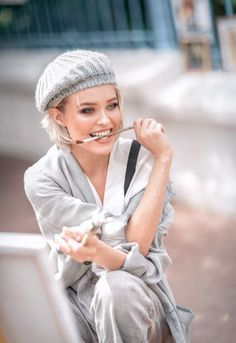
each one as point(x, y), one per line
point(151, 135)
point(79, 247)
point(147, 127)
point(137, 125)
point(152, 126)
point(85, 239)
point(62, 244)
point(147, 123)
point(72, 232)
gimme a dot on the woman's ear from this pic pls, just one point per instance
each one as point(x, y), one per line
point(57, 116)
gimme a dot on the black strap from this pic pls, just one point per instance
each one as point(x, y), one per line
point(131, 164)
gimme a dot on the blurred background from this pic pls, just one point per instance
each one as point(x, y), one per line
point(175, 61)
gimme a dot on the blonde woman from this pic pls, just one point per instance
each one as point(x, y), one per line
point(114, 276)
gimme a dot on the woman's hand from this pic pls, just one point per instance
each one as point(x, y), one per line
point(151, 135)
point(70, 243)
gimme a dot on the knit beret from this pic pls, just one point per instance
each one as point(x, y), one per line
point(71, 72)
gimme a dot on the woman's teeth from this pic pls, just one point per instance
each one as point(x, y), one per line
point(100, 133)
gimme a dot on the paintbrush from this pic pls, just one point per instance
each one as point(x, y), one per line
point(90, 139)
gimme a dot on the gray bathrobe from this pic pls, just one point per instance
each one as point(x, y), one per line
point(62, 195)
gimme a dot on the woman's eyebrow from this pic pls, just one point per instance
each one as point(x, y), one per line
point(93, 103)
point(112, 99)
point(86, 104)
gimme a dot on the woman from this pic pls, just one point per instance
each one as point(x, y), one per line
point(115, 281)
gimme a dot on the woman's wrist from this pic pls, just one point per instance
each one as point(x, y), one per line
point(165, 157)
point(108, 257)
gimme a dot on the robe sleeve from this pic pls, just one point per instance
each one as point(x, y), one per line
point(54, 208)
point(150, 268)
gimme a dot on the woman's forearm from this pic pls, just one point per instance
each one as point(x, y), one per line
point(143, 223)
point(69, 242)
point(108, 257)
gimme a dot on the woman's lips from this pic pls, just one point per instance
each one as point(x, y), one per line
point(104, 140)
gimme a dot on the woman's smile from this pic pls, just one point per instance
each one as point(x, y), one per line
point(100, 133)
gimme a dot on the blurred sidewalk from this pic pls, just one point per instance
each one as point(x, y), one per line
point(201, 245)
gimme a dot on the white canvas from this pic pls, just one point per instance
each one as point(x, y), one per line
point(33, 307)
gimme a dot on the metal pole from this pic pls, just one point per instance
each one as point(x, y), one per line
point(229, 11)
point(161, 23)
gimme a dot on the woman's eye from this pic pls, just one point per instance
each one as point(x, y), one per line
point(112, 106)
point(86, 110)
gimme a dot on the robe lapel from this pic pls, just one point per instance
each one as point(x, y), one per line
point(82, 186)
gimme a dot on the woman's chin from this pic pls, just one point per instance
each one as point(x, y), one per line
point(103, 146)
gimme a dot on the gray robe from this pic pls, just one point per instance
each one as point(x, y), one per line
point(62, 196)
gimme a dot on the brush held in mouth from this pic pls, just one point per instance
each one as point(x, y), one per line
point(90, 139)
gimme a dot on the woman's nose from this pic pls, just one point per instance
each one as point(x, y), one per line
point(103, 118)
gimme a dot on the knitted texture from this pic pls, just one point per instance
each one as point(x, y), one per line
point(69, 73)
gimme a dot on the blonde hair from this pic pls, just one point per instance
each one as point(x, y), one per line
point(60, 135)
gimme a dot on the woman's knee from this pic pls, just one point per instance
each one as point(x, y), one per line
point(128, 304)
point(122, 291)
point(114, 285)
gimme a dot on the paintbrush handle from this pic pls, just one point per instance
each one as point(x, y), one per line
point(90, 139)
point(119, 131)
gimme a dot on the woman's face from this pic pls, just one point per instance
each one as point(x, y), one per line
point(91, 112)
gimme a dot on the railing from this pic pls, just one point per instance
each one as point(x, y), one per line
point(219, 8)
point(87, 23)
point(229, 7)
point(223, 7)
point(98, 24)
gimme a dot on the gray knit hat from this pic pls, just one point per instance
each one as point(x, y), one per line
point(70, 72)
